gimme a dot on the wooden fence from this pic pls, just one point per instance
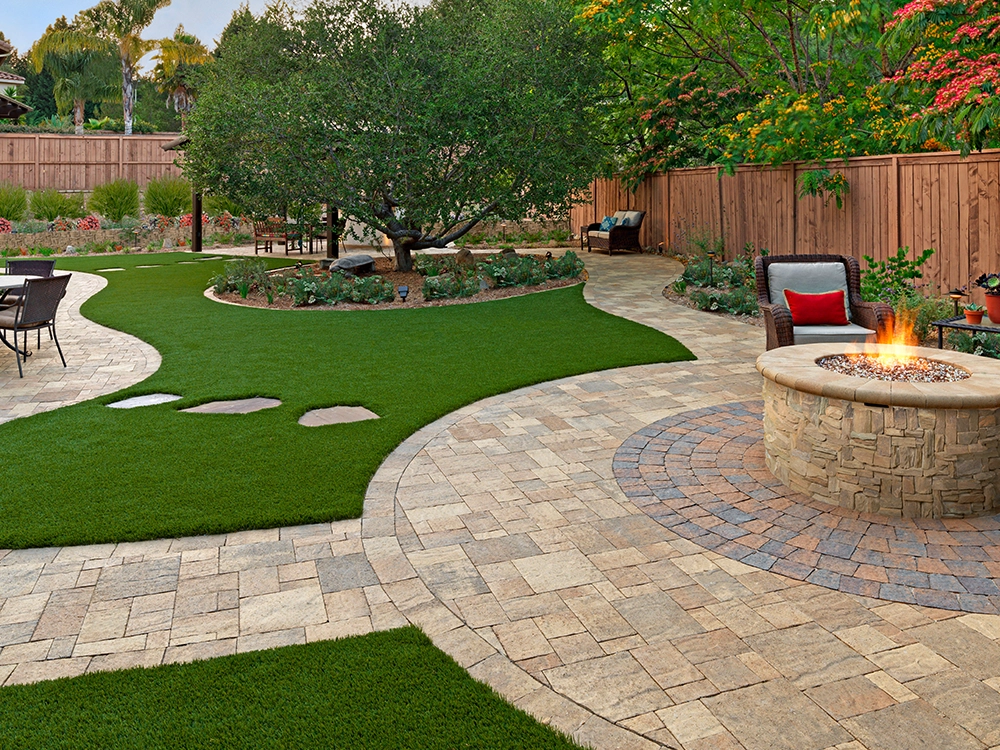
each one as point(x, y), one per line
point(81, 162)
point(921, 200)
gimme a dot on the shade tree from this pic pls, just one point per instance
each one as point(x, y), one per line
point(419, 122)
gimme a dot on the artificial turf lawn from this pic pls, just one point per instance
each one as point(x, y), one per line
point(88, 474)
point(384, 690)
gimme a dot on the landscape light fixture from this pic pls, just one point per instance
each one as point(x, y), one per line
point(956, 295)
point(403, 291)
point(711, 263)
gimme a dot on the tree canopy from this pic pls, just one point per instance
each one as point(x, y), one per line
point(773, 81)
point(419, 122)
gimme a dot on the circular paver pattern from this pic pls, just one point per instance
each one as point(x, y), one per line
point(702, 475)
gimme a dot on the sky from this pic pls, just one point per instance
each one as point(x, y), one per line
point(22, 22)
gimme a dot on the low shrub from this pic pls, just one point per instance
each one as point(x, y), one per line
point(981, 344)
point(513, 270)
point(450, 285)
point(115, 200)
point(30, 227)
point(13, 202)
point(923, 311)
point(892, 279)
point(187, 220)
point(217, 204)
point(50, 204)
point(61, 225)
point(569, 266)
point(168, 195)
point(245, 275)
point(310, 288)
point(740, 300)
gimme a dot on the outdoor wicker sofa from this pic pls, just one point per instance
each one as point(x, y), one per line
point(619, 237)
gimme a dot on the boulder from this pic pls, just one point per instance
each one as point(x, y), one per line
point(70, 250)
point(511, 253)
point(354, 264)
point(464, 258)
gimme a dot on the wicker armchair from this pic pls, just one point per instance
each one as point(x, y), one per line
point(37, 311)
point(867, 318)
point(619, 237)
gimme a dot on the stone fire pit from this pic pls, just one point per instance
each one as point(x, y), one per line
point(918, 450)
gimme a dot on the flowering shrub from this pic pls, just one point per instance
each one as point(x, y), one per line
point(158, 223)
point(187, 220)
point(225, 222)
point(5, 226)
point(89, 223)
point(61, 225)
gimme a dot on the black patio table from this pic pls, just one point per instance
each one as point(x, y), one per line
point(960, 323)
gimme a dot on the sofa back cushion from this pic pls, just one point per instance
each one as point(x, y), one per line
point(811, 278)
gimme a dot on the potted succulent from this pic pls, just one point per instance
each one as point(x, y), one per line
point(990, 282)
point(974, 313)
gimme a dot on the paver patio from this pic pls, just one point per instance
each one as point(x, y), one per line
point(502, 531)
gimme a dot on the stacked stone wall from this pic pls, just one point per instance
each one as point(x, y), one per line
point(892, 460)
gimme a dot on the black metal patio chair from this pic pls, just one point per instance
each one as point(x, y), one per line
point(37, 311)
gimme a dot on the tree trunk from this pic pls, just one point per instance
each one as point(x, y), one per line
point(404, 260)
point(78, 106)
point(128, 95)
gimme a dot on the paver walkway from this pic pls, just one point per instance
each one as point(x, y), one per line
point(501, 530)
point(98, 360)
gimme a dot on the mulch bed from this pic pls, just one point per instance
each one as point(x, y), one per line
point(683, 299)
point(386, 267)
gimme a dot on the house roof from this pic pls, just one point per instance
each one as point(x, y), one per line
point(11, 109)
point(10, 79)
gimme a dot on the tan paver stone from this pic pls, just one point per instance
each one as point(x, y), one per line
point(596, 732)
point(850, 697)
point(911, 662)
point(729, 673)
point(114, 646)
point(599, 617)
point(20, 652)
point(775, 716)
point(809, 656)
point(101, 625)
point(328, 631)
point(36, 671)
point(616, 687)
point(199, 651)
point(346, 605)
point(283, 610)
point(273, 639)
point(690, 721)
point(966, 701)
point(667, 665)
point(865, 639)
point(506, 678)
point(579, 647)
point(557, 570)
point(522, 640)
point(894, 728)
point(126, 660)
point(899, 692)
point(988, 625)
point(964, 647)
point(464, 646)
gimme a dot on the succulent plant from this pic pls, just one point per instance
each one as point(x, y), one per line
point(990, 282)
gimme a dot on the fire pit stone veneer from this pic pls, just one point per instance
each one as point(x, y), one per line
point(918, 450)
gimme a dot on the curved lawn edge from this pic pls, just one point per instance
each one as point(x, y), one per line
point(157, 473)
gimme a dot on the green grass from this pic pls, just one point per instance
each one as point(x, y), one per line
point(88, 474)
point(385, 690)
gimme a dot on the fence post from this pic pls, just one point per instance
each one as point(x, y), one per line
point(894, 222)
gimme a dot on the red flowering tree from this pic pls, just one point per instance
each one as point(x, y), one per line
point(955, 72)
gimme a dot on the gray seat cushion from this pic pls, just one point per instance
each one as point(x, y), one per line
point(598, 233)
point(809, 278)
point(849, 334)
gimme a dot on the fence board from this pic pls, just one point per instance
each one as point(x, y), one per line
point(942, 200)
point(71, 162)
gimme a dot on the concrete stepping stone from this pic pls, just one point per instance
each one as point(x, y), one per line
point(214, 257)
point(155, 265)
point(188, 262)
point(150, 399)
point(336, 415)
point(104, 270)
point(241, 406)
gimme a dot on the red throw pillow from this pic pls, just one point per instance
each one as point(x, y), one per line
point(826, 309)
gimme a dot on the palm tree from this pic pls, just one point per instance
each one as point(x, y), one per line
point(174, 62)
point(114, 25)
point(81, 73)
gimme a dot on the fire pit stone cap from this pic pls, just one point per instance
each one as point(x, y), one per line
point(795, 367)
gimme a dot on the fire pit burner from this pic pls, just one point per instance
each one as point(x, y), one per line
point(898, 369)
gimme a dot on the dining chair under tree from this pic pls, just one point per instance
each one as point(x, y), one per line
point(37, 311)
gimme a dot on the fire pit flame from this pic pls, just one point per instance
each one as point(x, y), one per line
point(893, 359)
